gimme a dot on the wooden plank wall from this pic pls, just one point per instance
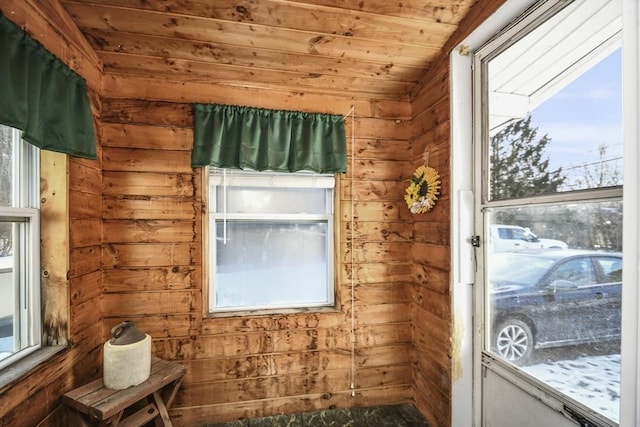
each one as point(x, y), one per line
point(37, 395)
point(432, 321)
point(252, 366)
point(137, 212)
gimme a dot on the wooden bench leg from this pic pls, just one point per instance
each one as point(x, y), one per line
point(113, 421)
point(141, 416)
point(79, 419)
point(163, 419)
point(169, 393)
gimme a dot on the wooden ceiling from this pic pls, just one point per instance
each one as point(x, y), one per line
point(364, 48)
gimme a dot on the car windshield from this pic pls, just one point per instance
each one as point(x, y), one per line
point(518, 269)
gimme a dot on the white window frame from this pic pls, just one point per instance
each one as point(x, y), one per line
point(25, 213)
point(267, 179)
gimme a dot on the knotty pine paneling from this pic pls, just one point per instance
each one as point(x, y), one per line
point(370, 24)
point(49, 24)
point(146, 136)
point(142, 194)
point(431, 252)
point(86, 232)
point(212, 53)
point(201, 415)
point(148, 208)
point(153, 273)
point(149, 231)
point(85, 288)
point(150, 279)
point(36, 396)
point(431, 267)
point(215, 73)
point(121, 87)
point(373, 273)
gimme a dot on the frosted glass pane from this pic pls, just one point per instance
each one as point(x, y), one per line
point(271, 264)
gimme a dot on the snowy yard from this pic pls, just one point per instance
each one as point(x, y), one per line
point(590, 377)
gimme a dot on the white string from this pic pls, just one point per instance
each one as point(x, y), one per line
point(351, 111)
point(224, 206)
point(353, 270)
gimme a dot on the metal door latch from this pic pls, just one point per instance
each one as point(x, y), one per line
point(475, 241)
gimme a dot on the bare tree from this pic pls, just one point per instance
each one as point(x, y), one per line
point(6, 155)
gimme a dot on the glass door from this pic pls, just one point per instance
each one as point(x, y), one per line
point(549, 212)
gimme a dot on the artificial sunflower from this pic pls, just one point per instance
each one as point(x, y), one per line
point(423, 190)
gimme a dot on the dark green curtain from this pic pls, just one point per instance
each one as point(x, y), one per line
point(41, 96)
point(285, 141)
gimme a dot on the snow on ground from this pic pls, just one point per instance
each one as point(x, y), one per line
point(593, 380)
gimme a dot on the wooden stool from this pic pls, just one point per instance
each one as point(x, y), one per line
point(148, 401)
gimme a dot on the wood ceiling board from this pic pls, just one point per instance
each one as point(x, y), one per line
point(362, 48)
point(302, 17)
point(190, 71)
point(90, 17)
point(162, 47)
point(444, 11)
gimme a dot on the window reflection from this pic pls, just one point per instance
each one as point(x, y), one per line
point(555, 308)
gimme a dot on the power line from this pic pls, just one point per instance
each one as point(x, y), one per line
point(584, 165)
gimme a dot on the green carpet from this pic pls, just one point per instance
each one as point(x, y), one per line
point(378, 416)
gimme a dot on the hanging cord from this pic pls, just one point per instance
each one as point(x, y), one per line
point(224, 206)
point(353, 270)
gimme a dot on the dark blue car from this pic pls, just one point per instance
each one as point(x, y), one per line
point(551, 298)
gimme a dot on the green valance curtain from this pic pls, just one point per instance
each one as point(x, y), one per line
point(285, 141)
point(41, 96)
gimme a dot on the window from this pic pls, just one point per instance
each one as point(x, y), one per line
point(19, 247)
point(271, 240)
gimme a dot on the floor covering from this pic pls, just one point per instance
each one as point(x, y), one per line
point(379, 416)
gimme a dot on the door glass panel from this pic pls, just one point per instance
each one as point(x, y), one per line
point(558, 107)
point(552, 204)
point(554, 300)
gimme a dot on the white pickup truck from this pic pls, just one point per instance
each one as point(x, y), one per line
point(504, 238)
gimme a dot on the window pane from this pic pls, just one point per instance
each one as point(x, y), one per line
point(269, 264)
point(6, 165)
point(19, 247)
point(272, 200)
point(556, 312)
point(8, 336)
point(568, 139)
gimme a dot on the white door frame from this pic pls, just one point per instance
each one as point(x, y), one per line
point(630, 373)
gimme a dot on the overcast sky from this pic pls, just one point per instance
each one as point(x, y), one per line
point(584, 115)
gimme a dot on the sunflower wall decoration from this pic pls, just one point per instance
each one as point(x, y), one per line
point(423, 190)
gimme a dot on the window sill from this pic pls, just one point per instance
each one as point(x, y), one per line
point(27, 364)
point(273, 311)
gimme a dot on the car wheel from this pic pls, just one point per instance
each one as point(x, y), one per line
point(513, 340)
